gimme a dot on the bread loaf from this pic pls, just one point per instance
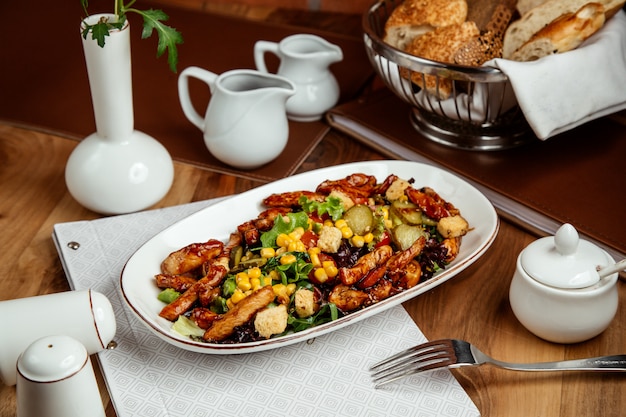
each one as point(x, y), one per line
point(563, 34)
point(439, 45)
point(610, 7)
point(520, 31)
point(414, 18)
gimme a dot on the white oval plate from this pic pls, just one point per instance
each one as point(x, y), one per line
point(219, 220)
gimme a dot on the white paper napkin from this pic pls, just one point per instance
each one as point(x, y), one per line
point(148, 377)
point(562, 91)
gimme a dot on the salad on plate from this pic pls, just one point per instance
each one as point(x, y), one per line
point(309, 258)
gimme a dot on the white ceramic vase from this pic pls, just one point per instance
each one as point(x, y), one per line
point(117, 169)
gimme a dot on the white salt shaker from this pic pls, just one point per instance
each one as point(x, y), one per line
point(86, 316)
point(55, 378)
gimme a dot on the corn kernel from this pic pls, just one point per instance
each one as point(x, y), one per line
point(341, 223)
point(368, 237)
point(315, 259)
point(274, 276)
point(328, 223)
point(229, 304)
point(287, 259)
point(357, 241)
point(314, 250)
point(297, 233)
point(330, 268)
point(281, 250)
point(237, 296)
point(290, 289)
point(243, 281)
point(292, 245)
point(255, 283)
point(268, 253)
point(388, 223)
point(300, 247)
point(320, 275)
point(385, 211)
point(283, 240)
point(278, 289)
point(346, 232)
point(254, 272)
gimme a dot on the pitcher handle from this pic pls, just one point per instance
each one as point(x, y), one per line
point(183, 92)
point(260, 48)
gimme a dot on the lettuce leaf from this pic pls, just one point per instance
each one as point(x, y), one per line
point(300, 219)
point(331, 206)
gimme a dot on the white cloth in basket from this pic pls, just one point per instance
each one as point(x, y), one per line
point(559, 92)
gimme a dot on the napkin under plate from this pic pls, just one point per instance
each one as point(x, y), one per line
point(326, 376)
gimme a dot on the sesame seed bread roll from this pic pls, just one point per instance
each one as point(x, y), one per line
point(413, 18)
point(440, 45)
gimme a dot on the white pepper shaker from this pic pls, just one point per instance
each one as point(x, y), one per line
point(55, 378)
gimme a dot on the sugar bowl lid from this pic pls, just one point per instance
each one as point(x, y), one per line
point(564, 260)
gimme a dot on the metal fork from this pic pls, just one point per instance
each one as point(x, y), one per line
point(452, 353)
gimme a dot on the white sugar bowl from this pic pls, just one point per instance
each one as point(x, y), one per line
point(557, 292)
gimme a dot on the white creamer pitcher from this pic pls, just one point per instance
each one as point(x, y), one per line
point(246, 122)
point(304, 59)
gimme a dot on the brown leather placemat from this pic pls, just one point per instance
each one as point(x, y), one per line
point(43, 78)
point(577, 177)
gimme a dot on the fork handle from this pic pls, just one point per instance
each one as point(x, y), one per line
point(613, 363)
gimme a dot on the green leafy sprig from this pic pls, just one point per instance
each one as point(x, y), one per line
point(153, 20)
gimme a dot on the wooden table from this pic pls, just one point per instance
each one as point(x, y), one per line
point(473, 306)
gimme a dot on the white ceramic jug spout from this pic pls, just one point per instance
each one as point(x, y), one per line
point(304, 59)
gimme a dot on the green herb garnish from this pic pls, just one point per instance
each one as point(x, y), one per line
point(152, 21)
point(328, 312)
point(293, 272)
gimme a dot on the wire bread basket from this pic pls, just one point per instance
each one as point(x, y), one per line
point(478, 110)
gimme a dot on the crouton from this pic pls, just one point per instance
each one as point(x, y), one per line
point(396, 189)
point(329, 239)
point(270, 321)
point(452, 226)
point(304, 301)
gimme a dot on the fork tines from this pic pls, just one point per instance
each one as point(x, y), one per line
point(420, 358)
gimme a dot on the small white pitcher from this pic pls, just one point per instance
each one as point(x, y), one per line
point(246, 123)
point(305, 60)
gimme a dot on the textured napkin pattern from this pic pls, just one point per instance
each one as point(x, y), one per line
point(562, 91)
point(326, 376)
